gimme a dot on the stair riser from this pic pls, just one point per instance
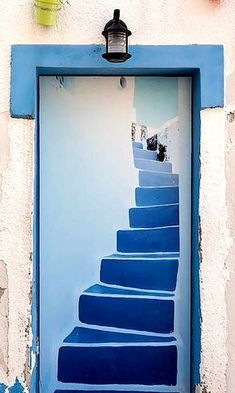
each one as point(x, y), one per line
point(142, 153)
point(149, 240)
point(154, 216)
point(153, 165)
point(147, 365)
point(152, 315)
point(158, 179)
point(143, 274)
point(156, 196)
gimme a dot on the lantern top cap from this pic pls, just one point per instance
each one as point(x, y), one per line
point(116, 24)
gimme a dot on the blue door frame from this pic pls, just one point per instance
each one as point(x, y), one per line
point(204, 63)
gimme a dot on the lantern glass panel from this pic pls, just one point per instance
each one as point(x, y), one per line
point(117, 42)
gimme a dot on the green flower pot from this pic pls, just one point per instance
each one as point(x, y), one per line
point(47, 11)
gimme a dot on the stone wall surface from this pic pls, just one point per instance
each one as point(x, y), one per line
point(151, 22)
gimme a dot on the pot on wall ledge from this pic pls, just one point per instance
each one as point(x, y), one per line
point(47, 11)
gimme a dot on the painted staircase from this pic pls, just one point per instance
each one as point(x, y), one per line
point(126, 333)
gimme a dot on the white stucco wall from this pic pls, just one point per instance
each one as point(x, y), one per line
point(151, 22)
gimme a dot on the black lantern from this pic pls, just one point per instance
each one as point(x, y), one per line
point(116, 35)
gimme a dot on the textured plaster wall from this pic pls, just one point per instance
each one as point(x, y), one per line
point(151, 22)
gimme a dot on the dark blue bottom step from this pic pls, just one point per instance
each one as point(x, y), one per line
point(146, 273)
point(96, 356)
point(126, 364)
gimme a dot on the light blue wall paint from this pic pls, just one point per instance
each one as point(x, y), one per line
point(79, 138)
point(151, 95)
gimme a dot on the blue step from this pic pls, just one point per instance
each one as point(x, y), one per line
point(149, 273)
point(105, 391)
point(142, 153)
point(135, 310)
point(150, 196)
point(155, 216)
point(136, 362)
point(164, 239)
point(138, 145)
point(153, 165)
point(127, 365)
point(84, 335)
point(150, 178)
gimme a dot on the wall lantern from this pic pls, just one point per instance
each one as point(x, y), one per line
point(116, 35)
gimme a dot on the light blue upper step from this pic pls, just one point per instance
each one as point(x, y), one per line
point(138, 145)
point(142, 153)
point(150, 196)
point(154, 216)
point(153, 165)
point(150, 178)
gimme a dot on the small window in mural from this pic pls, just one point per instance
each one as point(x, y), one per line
point(115, 157)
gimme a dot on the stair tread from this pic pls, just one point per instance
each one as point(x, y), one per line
point(154, 207)
point(154, 165)
point(151, 160)
point(85, 335)
point(99, 289)
point(157, 255)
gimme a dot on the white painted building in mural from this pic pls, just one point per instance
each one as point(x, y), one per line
point(163, 22)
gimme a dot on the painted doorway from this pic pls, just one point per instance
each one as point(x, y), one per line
point(115, 233)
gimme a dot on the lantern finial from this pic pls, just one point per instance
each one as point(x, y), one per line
point(116, 14)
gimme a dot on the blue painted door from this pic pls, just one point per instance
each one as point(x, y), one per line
point(115, 258)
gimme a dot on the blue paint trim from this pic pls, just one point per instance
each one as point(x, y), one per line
point(30, 61)
point(2, 387)
point(195, 279)
point(16, 388)
point(34, 350)
point(204, 63)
